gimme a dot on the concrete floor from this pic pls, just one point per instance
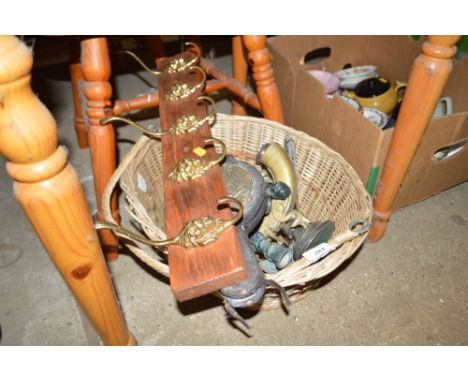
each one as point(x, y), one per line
point(408, 289)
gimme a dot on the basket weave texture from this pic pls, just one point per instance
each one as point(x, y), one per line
point(328, 189)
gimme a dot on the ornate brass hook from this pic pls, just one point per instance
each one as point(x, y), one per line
point(180, 91)
point(179, 64)
point(192, 168)
point(140, 61)
point(175, 64)
point(188, 123)
point(182, 125)
point(194, 233)
point(152, 134)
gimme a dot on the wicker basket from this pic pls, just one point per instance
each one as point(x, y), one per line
point(328, 188)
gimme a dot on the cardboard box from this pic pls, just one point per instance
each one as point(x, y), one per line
point(359, 141)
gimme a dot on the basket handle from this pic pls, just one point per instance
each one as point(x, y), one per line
point(356, 228)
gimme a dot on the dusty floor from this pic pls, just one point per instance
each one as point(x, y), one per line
point(408, 289)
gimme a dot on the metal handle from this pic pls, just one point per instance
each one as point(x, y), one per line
point(360, 222)
point(223, 151)
point(194, 233)
point(153, 134)
point(211, 115)
point(352, 232)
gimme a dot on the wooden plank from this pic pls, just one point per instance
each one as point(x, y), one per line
point(201, 270)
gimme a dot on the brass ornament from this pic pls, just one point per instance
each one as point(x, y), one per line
point(194, 233)
point(185, 124)
point(189, 123)
point(180, 91)
point(193, 168)
point(179, 64)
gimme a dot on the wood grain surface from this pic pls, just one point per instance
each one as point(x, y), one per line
point(258, 57)
point(427, 79)
point(49, 191)
point(96, 69)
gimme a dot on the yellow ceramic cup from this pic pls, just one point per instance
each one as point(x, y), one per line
point(386, 101)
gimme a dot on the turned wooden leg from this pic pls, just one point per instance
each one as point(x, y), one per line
point(239, 72)
point(267, 91)
point(427, 79)
point(76, 77)
point(49, 192)
point(95, 64)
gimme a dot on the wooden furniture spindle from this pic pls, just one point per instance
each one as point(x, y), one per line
point(49, 191)
point(96, 68)
point(427, 79)
point(267, 91)
point(76, 76)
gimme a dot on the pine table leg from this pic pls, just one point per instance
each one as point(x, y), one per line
point(49, 191)
point(427, 79)
point(267, 91)
point(95, 64)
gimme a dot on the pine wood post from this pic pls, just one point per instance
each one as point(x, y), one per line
point(427, 79)
point(267, 91)
point(239, 72)
point(95, 64)
point(49, 191)
point(76, 76)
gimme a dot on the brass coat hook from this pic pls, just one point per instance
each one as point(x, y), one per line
point(193, 168)
point(194, 233)
point(180, 91)
point(183, 125)
point(175, 64)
